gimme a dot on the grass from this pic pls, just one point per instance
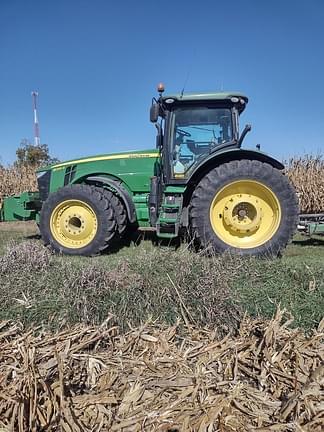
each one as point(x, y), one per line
point(144, 281)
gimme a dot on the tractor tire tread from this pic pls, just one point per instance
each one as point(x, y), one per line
point(232, 171)
point(119, 211)
point(93, 196)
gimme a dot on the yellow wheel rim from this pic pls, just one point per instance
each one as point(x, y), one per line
point(73, 224)
point(245, 214)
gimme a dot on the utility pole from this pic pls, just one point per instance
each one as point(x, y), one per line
point(36, 125)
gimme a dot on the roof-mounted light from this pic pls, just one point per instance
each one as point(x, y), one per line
point(160, 88)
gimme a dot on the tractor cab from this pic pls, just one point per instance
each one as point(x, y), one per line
point(193, 126)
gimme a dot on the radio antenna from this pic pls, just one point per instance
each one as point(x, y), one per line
point(185, 83)
point(188, 73)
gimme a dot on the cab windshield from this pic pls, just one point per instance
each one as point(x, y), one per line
point(196, 132)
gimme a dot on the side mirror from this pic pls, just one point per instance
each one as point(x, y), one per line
point(154, 112)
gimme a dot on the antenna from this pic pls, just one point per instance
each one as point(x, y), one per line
point(36, 125)
point(185, 83)
point(194, 55)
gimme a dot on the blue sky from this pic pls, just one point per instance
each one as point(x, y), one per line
point(96, 64)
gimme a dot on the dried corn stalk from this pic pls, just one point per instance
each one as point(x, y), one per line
point(307, 175)
point(14, 180)
point(267, 378)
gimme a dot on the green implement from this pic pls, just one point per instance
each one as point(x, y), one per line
point(22, 207)
point(311, 224)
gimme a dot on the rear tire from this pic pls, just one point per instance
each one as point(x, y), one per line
point(78, 220)
point(245, 206)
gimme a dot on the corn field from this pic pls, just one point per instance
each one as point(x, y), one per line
point(14, 180)
point(305, 172)
point(307, 175)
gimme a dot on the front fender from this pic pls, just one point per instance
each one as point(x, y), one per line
point(119, 188)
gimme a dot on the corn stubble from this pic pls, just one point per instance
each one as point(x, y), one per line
point(158, 378)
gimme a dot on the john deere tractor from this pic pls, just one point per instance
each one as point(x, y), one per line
point(197, 180)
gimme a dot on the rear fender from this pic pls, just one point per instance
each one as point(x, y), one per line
point(224, 156)
point(216, 159)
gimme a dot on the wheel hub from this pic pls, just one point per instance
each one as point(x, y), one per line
point(242, 213)
point(245, 214)
point(74, 224)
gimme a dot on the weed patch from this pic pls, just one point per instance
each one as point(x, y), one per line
point(38, 288)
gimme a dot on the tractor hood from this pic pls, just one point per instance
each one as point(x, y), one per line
point(133, 169)
point(132, 154)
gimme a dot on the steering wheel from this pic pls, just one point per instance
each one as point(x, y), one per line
point(183, 133)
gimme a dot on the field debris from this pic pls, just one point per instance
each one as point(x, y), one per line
point(307, 175)
point(156, 378)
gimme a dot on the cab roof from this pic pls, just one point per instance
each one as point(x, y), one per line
point(211, 97)
point(218, 96)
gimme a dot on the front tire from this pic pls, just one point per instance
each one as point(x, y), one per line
point(119, 212)
point(247, 207)
point(77, 220)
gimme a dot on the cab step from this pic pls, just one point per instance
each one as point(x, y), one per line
point(168, 222)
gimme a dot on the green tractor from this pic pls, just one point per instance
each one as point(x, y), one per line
point(198, 180)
